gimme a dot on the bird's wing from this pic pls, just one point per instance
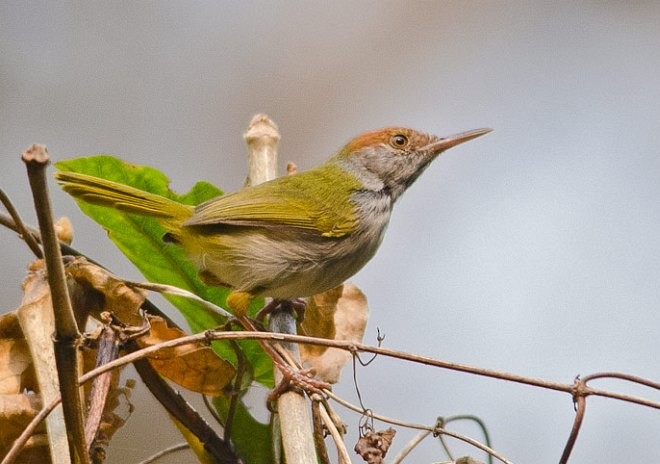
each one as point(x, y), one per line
point(306, 201)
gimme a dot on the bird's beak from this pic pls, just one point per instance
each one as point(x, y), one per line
point(445, 143)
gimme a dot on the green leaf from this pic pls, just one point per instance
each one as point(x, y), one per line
point(252, 439)
point(140, 239)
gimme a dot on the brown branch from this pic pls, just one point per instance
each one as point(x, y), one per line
point(212, 335)
point(581, 406)
point(621, 376)
point(20, 227)
point(579, 389)
point(319, 442)
point(66, 330)
point(580, 393)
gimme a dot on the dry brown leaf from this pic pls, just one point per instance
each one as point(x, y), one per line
point(15, 361)
point(91, 286)
point(118, 298)
point(373, 446)
point(18, 405)
point(16, 370)
point(195, 367)
point(10, 327)
point(16, 412)
point(339, 314)
point(319, 319)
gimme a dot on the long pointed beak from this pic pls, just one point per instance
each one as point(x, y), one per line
point(447, 142)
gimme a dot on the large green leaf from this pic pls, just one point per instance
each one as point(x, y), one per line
point(140, 239)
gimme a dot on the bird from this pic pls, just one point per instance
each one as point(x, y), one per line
point(293, 236)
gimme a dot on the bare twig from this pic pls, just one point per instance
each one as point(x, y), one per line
point(344, 457)
point(411, 425)
point(20, 226)
point(621, 376)
point(581, 391)
point(215, 335)
point(176, 291)
point(352, 346)
point(581, 405)
point(416, 440)
point(319, 431)
point(162, 453)
point(67, 335)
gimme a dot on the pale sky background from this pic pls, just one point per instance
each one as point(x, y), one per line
point(533, 250)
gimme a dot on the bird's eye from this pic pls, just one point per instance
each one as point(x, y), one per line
point(398, 141)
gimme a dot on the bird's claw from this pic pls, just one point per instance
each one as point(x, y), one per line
point(297, 379)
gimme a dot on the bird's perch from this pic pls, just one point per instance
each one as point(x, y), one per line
point(262, 138)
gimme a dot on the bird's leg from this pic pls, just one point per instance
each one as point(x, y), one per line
point(298, 305)
point(239, 302)
point(291, 377)
point(267, 310)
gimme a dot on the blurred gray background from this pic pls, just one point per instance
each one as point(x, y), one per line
point(534, 250)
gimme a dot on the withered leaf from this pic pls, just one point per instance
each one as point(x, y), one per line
point(16, 412)
point(18, 403)
point(195, 367)
point(15, 360)
point(117, 297)
point(338, 314)
point(373, 446)
point(16, 369)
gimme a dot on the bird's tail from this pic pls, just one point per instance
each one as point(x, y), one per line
point(97, 191)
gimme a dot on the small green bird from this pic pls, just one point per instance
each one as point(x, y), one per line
point(293, 236)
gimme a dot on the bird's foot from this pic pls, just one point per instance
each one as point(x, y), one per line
point(301, 380)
